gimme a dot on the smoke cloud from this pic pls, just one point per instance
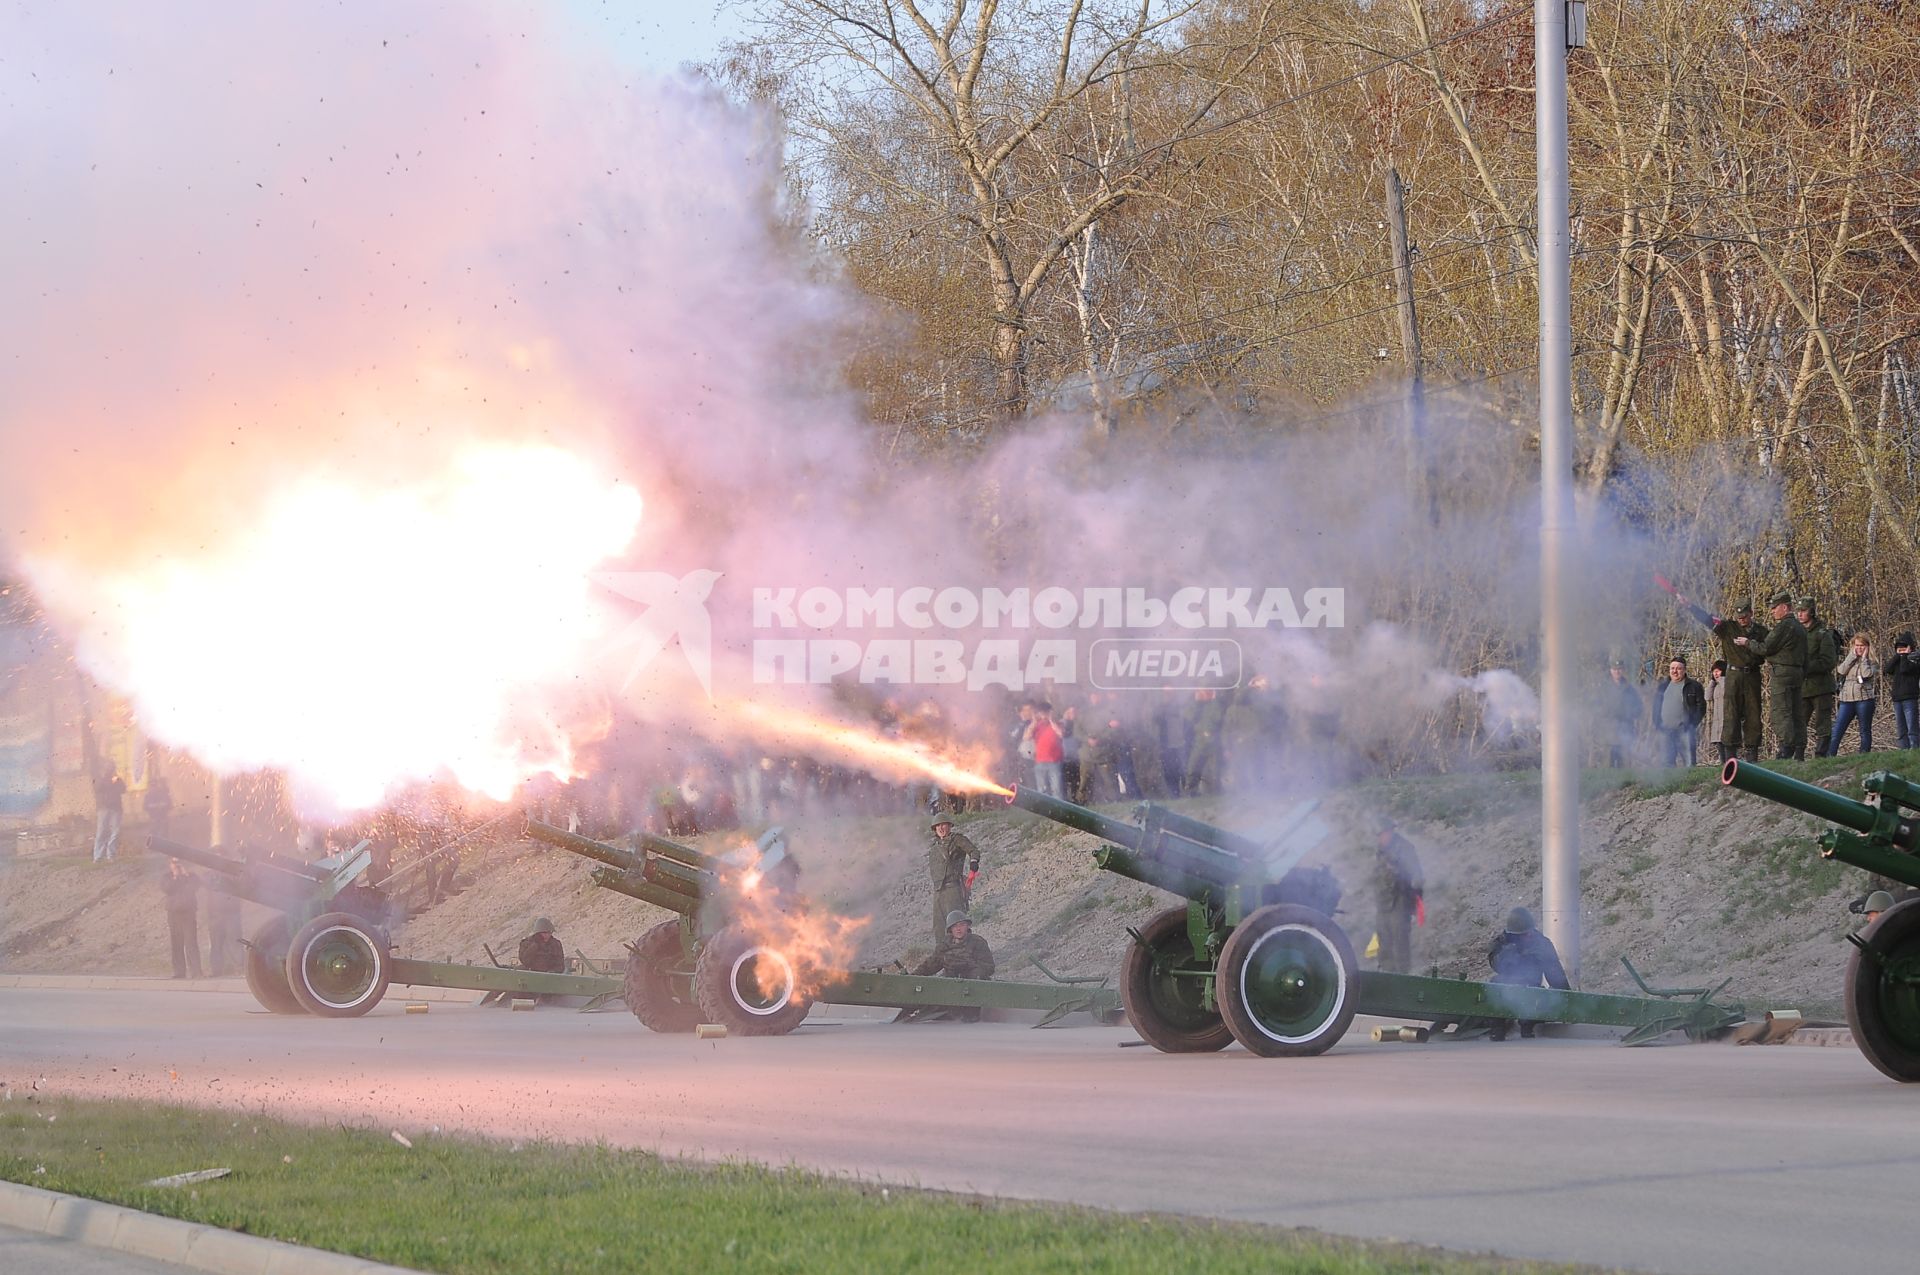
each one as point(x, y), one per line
point(263, 255)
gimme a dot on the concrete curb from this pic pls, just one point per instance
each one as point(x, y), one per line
point(165, 1239)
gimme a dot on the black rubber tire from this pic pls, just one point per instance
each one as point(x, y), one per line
point(266, 968)
point(721, 987)
point(1165, 1010)
point(1298, 969)
point(359, 947)
point(649, 986)
point(1883, 996)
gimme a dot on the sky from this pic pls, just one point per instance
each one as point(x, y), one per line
point(657, 35)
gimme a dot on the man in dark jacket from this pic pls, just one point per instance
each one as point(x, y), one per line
point(182, 891)
point(1677, 715)
point(1524, 957)
point(1903, 681)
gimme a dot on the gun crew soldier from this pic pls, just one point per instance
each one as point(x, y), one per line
point(540, 950)
point(1524, 957)
point(1784, 651)
point(1398, 885)
point(961, 954)
point(953, 864)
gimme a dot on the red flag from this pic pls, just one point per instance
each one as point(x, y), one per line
point(1419, 909)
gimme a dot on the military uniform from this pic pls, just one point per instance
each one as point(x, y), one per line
point(1784, 650)
point(182, 893)
point(949, 860)
point(1740, 727)
point(1816, 686)
point(1398, 884)
point(969, 957)
point(543, 952)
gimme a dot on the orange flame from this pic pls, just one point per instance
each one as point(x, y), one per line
point(954, 769)
point(817, 946)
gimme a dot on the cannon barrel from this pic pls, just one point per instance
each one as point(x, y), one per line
point(600, 851)
point(1181, 855)
point(669, 884)
point(686, 855)
point(195, 855)
point(1882, 823)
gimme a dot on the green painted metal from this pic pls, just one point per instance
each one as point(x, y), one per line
point(1293, 982)
point(487, 978)
point(633, 873)
point(1878, 835)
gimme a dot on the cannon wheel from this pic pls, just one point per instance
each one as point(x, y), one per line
point(1883, 992)
point(727, 983)
point(1287, 982)
point(337, 965)
point(266, 968)
point(1162, 989)
point(650, 988)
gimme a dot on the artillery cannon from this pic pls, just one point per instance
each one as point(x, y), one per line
point(721, 959)
point(1255, 955)
point(1879, 835)
point(328, 953)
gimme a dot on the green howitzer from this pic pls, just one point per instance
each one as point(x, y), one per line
point(1879, 835)
point(327, 951)
point(1255, 955)
point(729, 957)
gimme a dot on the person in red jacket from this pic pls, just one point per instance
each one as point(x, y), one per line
point(1049, 753)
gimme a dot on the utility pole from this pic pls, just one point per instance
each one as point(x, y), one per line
point(1559, 759)
point(1419, 480)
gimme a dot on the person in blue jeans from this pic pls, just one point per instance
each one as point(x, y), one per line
point(1859, 678)
point(1903, 682)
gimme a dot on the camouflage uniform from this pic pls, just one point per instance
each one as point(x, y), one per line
point(969, 957)
point(1740, 727)
point(949, 859)
point(1785, 651)
point(543, 952)
point(1816, 686)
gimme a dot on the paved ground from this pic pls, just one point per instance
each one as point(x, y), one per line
point(26, 1253)
point(1683, 1158)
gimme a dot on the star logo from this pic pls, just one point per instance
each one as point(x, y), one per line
point(676, 611)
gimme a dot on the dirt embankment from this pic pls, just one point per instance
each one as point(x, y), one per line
point(1692, 883)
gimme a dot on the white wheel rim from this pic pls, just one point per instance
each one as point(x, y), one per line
point(372, 950)
point(1339, 987)
point(786, 984)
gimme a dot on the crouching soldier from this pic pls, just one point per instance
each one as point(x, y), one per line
point(1524, 957)
point(961, 954)
point(541, 951)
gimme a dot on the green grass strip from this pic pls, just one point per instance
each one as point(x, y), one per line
point(471, 1207)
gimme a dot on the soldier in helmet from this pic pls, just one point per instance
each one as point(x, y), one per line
point(1784, 650)
point(961, 954)
point(541, 951)
point(1398, 885)
point(1876, 903)
point(953, 863)
point(1816, 685)
point(1740, 718)
point(1521, 956)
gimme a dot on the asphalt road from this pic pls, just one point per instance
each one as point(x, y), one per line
point(1679, 1158)
point(27, 1253)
